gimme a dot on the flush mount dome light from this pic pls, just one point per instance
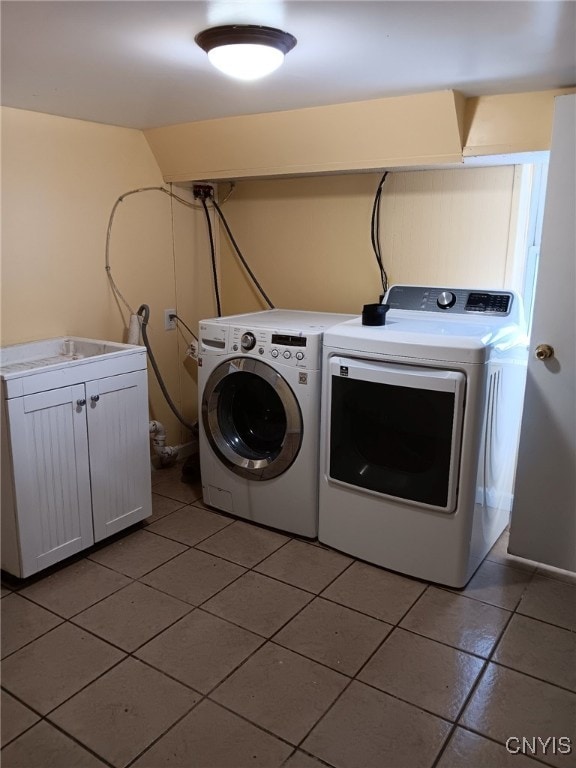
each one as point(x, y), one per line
point(246, 52)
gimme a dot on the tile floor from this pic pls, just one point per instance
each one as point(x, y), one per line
point(200, 641)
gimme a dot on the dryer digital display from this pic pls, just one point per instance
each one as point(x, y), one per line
point(488, 302)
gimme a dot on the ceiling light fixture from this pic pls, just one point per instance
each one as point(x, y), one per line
point(247, 51)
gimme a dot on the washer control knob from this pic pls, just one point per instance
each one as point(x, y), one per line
point(261, 351)
point(235, 347)
point(287, 354)
point(248, 341)
point(274, 353)
point(299, 355)
point(446, 300)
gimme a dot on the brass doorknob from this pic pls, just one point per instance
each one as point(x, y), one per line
point(544, 351)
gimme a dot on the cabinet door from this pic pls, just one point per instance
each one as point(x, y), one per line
point(118, 435)
point(51, 476)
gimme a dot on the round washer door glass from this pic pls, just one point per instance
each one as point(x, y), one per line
point(251, 418)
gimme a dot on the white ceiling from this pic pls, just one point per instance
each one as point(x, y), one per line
point(134, 62)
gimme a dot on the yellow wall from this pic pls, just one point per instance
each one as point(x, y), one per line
point(60, 179)
point(422, 129)
point(509, 123)
point(308, 240)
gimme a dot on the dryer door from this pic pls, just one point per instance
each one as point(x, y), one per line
point(395, 430)
point(251, 418)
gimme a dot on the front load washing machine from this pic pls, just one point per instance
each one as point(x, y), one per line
point(420, 427)
point(259, 387)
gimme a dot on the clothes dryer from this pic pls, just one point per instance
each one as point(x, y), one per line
point(259, 389)
point(420, 427)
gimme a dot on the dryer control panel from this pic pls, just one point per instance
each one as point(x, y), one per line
point(460, 301)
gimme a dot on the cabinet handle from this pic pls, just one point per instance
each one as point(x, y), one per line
point(80, 403)
point(95, 398)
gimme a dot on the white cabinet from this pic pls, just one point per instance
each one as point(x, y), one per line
point(75, 448)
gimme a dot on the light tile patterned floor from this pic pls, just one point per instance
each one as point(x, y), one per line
point(201, 641)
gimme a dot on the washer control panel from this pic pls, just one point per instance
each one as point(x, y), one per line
point(247, 341)
point(459, 301)
point(293, 349)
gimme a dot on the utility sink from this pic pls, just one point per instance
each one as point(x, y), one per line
point(75, 447)
point(63, 361)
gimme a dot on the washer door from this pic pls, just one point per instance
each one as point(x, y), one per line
point(251, 418)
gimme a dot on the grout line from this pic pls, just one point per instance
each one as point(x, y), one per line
point(25, 645)
point(235, 562)
point(98, 677)
point(315, 758)
point(179, 541)
point(325, 713)
point(536, 758)
point(455, 723)
point(270, 640)
point(152, 637)
point(474, 688)
point(80, 744)
point(165, 733)
point(383, 621)
point(354, 677)
point(204, 600)
point(216, 685)
point(44, 718)
point(444, 745)
point(87, 607)
point(533, 677)
point(107, 640)
point(188, 503)
point(446, 644)
point(259, 727)
point(19, 700)
point(477, 599)
point(356, 610)
point(262, 645)
point(544, 621)
point(268, 637)
point(159, 565)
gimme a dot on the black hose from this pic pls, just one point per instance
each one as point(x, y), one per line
point(242, 259)
point(213, 258)
point(144, 313)
point(375, 233)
